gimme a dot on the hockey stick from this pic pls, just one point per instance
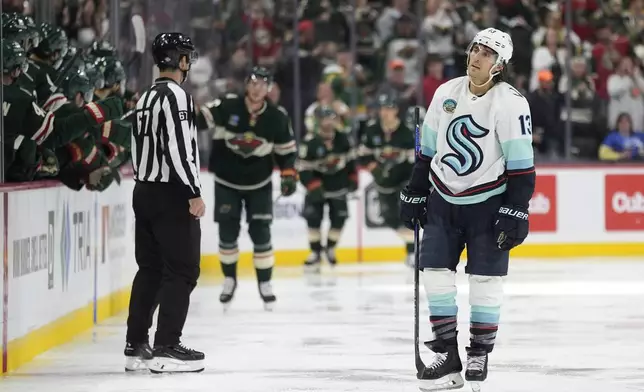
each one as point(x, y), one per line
point(420, 366)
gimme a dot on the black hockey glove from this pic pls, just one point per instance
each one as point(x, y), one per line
point(511, 226)
point(413, 208)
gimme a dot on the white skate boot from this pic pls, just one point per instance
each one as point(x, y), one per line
point(266, 292)
point(226, 296)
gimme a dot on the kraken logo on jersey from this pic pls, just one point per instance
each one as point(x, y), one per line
point(467, 156)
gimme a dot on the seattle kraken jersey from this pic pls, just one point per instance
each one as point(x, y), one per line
point(474, 142)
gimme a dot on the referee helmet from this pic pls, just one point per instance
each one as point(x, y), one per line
point(168, 48)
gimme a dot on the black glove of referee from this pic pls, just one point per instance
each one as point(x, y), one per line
point(511, 226)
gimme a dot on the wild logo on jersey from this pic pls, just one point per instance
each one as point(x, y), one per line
point(389, 153)
point(467, 156)
point(245, 144)
point(333, 164)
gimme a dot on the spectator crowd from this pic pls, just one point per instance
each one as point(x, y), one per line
point(326, 52)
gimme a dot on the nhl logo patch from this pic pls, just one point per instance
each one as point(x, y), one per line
point(449, 105)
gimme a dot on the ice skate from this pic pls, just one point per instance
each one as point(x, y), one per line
point(312, 263)
point(137, 356)
point(266, 292)
point(476, 371)
point(226, 296)
point(176, 359)
point(330, 256)
point(444, 372)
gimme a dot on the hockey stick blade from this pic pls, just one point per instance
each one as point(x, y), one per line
point(420, 366)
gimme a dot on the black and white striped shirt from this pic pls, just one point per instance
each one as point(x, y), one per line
point(164, 137)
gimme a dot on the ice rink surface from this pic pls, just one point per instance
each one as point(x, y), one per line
point(567, 326)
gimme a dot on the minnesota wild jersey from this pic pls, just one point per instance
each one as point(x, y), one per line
point(331, 162)
point(245, 147)
point(393, 155)
point(40, 77)
point(23, 116)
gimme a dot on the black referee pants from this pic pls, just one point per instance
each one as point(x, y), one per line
point(167, 250)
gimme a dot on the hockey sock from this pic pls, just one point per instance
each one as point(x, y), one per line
point(228, 256)
point(314, 240)
point(486, 296)
point(333, 237)
point(263, 260)
point(440, 286)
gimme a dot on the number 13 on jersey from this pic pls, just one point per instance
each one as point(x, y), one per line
point(526, 124)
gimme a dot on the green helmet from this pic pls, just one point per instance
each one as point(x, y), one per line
point(95, 75)
point(14, 28)
point(34, 32)
point(53, 44)
point(112, 69)
point(261, 73)
point(102, 49)
point(78, 63)
point(77, 82)
point(14, 57)
point(387, 101)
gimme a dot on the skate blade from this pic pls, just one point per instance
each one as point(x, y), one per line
point(269, 306)
point(449, 382)
point(135, 364)
point(170, 365)
point(475, 386)
point(313, 269)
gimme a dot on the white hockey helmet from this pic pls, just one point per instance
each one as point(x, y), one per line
point(498, 41)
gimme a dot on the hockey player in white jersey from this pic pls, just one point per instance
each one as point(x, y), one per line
point(470, 186)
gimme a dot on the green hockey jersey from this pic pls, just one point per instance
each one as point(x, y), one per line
point(245, 147)
point(333, 163)
point(389, 155)
point(23, 116)
point(41, 78)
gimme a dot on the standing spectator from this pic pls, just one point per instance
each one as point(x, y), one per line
point(387, 21)
point(396, 85)
point(626, 89)
point(554, 20)
point(546, 132)
point(437, 32)
point(550, 55)
point(404, 46)
point(606, 54)
point(588, 124)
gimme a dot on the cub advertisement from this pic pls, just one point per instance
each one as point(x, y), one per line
point(624, 202)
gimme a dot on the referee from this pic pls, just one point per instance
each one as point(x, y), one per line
point(167, 206)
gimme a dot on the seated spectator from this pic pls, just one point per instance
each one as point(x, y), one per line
point(404, 46)
point(623, 143)
point(551, 56)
